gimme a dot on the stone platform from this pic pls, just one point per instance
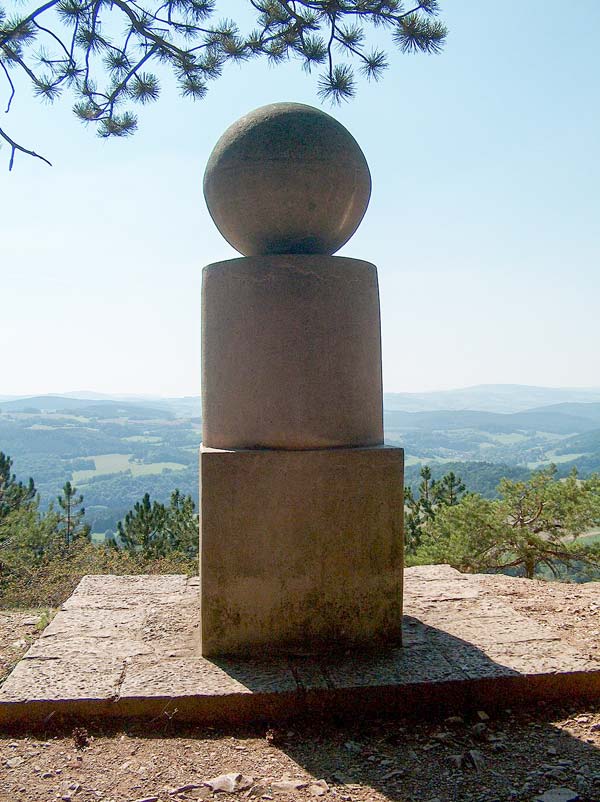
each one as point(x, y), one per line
point(129, 647)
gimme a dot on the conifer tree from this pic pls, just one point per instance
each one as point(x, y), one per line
point(143, 528)
point(532, 524)
point(71, 519)
point(422, 508)
point(13, 494)
point(109, 54)
point(449, 489)
point(182, 524)
point(156, 530)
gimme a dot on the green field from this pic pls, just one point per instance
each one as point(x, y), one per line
point(410, 459)
point(119, 463)
point(554, 459)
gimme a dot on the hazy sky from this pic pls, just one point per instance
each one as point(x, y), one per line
point(484, 218)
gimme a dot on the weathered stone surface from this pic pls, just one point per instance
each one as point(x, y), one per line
point(130, 586)
point(58, 647)
point(287, 178)
point(445, 664)
point(77, 676)
point(300, 550)
point(196, 676)
point(425, 665)
point(159, 676)
point(558, 795)
point(291, 353)
point(121, 621)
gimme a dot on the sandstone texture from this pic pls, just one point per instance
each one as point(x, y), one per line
point(291, 353)
point(300, 551)
point(470, 642)
point(287, 178)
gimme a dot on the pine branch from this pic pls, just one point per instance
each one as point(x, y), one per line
point(86, 55)
point(14, 146)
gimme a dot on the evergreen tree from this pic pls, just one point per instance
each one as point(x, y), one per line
point(71, 521)
point(449, 490)
point(27, 534)
point(104, 52)
point(24, 530)
point(144, 527)
point(533, 524)
point(421, 509)
point(13, 494)
point(156, 530)
point(182, 524)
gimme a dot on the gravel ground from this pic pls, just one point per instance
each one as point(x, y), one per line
point(512, 754)
point(515, 755)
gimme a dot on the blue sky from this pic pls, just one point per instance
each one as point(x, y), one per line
point(483, 222)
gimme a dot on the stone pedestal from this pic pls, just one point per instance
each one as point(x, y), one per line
point(301, 551)
point(291, 353)
point(301, 507)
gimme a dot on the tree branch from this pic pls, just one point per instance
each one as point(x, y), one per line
point(15, 146)
point(12, 87)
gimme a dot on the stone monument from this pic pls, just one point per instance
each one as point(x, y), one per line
point(301, 503)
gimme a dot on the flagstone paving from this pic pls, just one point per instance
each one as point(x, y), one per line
point(129, 647)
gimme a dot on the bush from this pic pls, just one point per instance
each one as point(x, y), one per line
point(49, 581)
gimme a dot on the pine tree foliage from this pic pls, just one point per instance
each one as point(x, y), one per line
point(157, 530)
point(143, 525)
point(107, 53)
point(421, 509)
point(71, 519)
point(13, 494)
point(44, 553)
point(533, 524)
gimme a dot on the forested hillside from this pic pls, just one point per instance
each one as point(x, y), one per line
point(116, 450)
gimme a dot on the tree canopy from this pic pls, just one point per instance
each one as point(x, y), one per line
point(73, 513)
point(421, 508)
point(533, 524)
point(44, 553)
point(13, 494)
point(109, 53)
point(156, 530)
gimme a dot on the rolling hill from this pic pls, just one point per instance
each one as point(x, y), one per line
point(116, 449)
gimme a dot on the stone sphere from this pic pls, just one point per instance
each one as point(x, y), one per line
point(287, 178)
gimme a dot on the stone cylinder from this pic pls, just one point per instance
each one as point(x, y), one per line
point(291, 353)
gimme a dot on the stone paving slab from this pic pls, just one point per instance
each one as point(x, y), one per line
point(130, 647)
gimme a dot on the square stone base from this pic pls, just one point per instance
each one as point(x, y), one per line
point(127, 646)
point(300, 551)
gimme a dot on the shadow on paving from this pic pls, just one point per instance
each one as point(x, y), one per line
point(435, 740)
point(437, 719)
point(434, 673)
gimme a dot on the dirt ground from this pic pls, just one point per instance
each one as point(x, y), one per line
point(511, 754)
point(18, 630)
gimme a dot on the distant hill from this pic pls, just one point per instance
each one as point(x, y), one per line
point(498, 398)
point(490, 398)
point(479, 477)
point(116, 449)
point(188, 406)
point(105, 409)
point(590, 411)
point(43, 403)
point(558, 419)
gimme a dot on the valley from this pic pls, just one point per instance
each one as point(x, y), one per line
point(117, 449)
